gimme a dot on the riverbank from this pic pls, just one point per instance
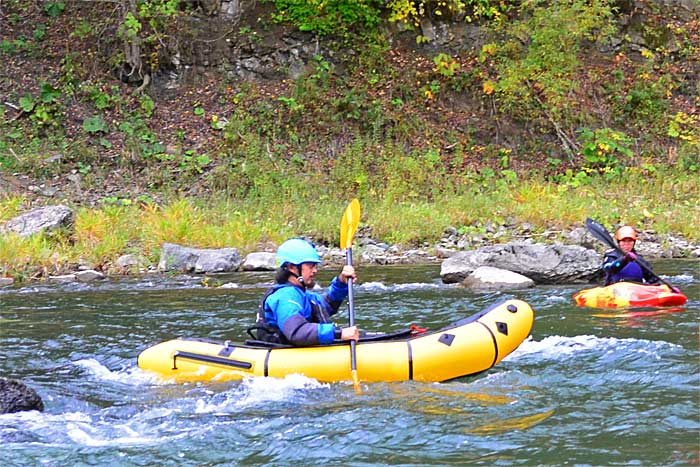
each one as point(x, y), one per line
point(127, 238)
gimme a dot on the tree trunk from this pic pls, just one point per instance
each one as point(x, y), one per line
point(132, 71)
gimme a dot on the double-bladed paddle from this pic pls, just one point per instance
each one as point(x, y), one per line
point(602, 234)
point(348, 227)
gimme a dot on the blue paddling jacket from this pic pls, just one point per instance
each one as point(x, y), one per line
point(619, 268)
point(292, 315)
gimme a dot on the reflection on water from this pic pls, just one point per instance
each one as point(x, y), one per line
point(588, 387)
point(517, 423)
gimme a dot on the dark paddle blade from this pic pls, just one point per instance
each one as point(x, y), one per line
point(602, 234)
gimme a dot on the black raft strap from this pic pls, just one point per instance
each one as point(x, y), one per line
point(210, 359)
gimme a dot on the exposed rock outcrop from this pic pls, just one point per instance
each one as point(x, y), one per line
point(486, 277)
point(259, 261)
point(544, 264)
point(198, 260)
point(38, 220)
point(15, 396)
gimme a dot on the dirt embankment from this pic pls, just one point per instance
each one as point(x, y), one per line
point(220, 60)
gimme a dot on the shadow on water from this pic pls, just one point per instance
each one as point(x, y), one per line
point(590, 387)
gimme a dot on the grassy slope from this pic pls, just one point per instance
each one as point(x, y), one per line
point(388, 129)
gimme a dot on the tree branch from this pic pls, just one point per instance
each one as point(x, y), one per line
point(11, 105)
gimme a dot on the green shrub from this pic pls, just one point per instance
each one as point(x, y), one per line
point(537, 66)
point(329, 17)
point(605, 150)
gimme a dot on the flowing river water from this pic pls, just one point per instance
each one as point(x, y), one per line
point(589, 387)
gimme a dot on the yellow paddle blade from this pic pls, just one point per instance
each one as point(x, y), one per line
point(349, 223)
point(356, 382)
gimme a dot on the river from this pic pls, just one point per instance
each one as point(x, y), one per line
point(584, 389)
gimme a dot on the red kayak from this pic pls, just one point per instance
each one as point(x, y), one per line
point(629, 294)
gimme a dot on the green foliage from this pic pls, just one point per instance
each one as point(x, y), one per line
point(82, 30)
point(95, 124)
point(72, 73)
point(217, 123)
point(39, 32)
point(646, 102)
point(366, 171)
point(537, 63)
point(329, 17)
point(84, 168)
point(54, 9)
point(141, 143)
point(124, 224)
point(101, 99)
point(376, 131)
point(46, 107)
point(411, 12)
point(147, 105)
point(145, 27)
point(323, 71)
point(132, 25)
point(23, 257)
point(291, 103)
point(605, 150)
point(415, 176)
point(685, 129)
point(10, 206)
point(27, 103)
point(48, 93)
point(17, 46)
point(7, 47)
point(250, 166)
point(193, 163)
point(445, 65)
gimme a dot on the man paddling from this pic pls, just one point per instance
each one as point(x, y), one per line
point(289, 313)
point(624, 265)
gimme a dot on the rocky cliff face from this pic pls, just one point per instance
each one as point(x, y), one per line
point(238, 39)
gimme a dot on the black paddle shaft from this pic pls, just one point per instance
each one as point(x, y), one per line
point(351, 297)
point(351, 310)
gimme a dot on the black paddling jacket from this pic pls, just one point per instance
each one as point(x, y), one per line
point(619, 268)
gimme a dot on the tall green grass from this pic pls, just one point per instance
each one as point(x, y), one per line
point(665, 201)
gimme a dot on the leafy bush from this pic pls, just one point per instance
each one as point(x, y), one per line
point(47, 108)
point(329, 17)
point(686, 130)
point(605, 149)
point(536, 67)
point(411, 12)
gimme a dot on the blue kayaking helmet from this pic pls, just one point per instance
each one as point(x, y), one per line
point(297, 251)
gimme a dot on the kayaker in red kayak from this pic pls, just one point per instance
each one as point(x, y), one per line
point(626, 266)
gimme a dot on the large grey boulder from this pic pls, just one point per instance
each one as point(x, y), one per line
point(89, 275)
point(544, 264)
point(5, 281)
point(41, 219)
point(199, 260)
point(260, 261)
point(15, 396)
